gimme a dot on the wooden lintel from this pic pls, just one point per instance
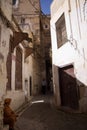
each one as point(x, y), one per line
point(18, 37)
point(28, 51)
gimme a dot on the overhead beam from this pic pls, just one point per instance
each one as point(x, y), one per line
point(28, 51)
point(17, 38)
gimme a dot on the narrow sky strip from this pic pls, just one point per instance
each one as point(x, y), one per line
point(45, 5)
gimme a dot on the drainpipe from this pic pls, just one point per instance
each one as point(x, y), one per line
point(69, 11)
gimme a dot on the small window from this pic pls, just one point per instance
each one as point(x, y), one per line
point(46, 26)
point(14, 2)
point(22, 20)
point(61, 31)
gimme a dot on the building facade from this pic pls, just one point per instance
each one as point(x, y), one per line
point(29, 21)
point(24, 52)
point(11, 59)
point(4, 48)
point(68, 32)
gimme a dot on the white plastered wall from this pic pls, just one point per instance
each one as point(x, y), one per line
point(75, 50)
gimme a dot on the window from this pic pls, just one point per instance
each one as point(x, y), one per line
point(15, 3)
point(22, 20)
point(18, 71)
point(61, 31)
point(46, 26)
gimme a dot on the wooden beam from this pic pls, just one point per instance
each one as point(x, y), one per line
point(28, 51)
point(18, 37)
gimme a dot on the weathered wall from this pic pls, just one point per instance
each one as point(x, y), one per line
point(4, 48)
point(28, 72)
point(6, 6)
point(56, 88)
point(18, 98)
point(30, 24)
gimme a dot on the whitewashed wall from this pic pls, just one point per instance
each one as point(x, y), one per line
point(76, 27)
point(75, 50)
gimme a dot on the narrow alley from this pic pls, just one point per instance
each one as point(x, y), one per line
point(43, 53)
point(42, 115)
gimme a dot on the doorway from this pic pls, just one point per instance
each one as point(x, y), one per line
point(68, 87)
point(30, 80)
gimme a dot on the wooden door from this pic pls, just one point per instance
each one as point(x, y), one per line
point(68, 88)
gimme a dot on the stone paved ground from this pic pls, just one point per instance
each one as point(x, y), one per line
point(43, 116)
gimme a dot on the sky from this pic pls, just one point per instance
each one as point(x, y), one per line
point(45, 6)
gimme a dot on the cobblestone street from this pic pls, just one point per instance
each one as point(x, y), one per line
point(42, 115)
